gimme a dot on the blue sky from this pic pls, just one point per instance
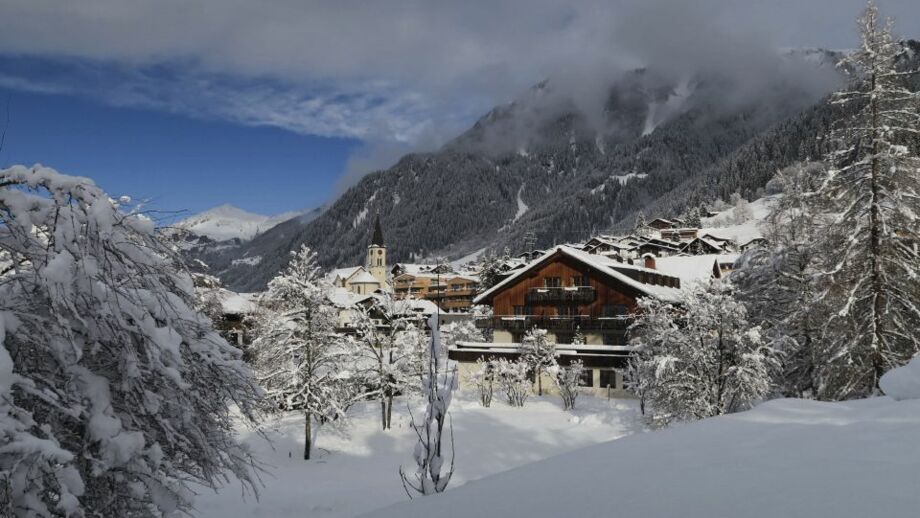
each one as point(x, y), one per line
point(279, 105)
point(177, 162)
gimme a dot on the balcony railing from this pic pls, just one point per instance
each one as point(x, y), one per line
point(555, 323)
point(584, 294)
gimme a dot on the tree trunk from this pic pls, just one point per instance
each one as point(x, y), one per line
point(308, 436)
point(383, 412)
point(389, 415)
point(878, 300)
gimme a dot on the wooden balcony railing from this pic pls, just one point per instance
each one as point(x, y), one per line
point(555, 323)
point(582, 294)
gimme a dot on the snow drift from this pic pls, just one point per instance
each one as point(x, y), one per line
point(903, 382)
point(790, 458)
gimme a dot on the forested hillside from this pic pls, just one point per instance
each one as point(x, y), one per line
point(541, 167)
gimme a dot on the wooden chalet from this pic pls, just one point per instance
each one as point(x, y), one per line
point(565, 291)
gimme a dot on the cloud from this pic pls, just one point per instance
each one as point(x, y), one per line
point(395, 72)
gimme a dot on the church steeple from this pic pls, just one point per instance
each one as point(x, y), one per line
point(377, 239)
point(377, 254)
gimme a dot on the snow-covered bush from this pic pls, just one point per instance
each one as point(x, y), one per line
point(700, 359)
point(115, 393)
point(300, 360)
point(539, 354)
point(438, 385)
point(483, 378)
point(514, 379)
point(568, 379)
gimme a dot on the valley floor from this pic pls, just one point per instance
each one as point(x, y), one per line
point(355, 466)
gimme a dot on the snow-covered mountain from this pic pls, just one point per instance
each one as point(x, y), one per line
point(546, 169)
point(228, 222)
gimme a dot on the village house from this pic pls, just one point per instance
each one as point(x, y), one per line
point(567, 291)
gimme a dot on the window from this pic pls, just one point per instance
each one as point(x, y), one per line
point(608, 379)
point(519, 310)
point(614, 310)
point(587, 378)
point(552, 282)
point(517, 337)
point(564, 338)
point(580, 280)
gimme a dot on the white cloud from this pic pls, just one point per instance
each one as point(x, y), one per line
point(388, 70)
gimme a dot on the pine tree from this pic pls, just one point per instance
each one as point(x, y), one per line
point(116, 395)
point(874, 189)
point(779, 282)
point(298, 356)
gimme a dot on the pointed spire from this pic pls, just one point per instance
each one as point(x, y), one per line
point(377, 239)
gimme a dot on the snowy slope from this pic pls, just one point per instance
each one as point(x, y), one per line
point(355, 469)
point(723, 225)
point(229, 222)
point(789, 458)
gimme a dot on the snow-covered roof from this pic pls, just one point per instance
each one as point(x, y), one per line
point(411, 305)
point(343, 298)
point(364, 278)
point(603, 264)
point(689, 269)
point(233, 303)
point(344, 273)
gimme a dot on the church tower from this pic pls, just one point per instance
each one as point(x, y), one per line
point(377, 255)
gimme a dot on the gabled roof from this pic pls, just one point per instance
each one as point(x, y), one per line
point(715, 246)
point(604, 265)
point(345, 273)
point(364, 278)
point(689, 269)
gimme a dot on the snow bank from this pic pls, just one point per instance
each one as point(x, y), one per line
point(903, 382)
point(355, 469)
point(789, 458)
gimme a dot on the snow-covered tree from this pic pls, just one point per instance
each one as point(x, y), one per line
point(483, 378)
point(514, 379)
point(115, 393)
point(699, 359)
point(741, 209)
point(490, 269)
point(779, 283)
point(462, 331)
point(389, 354)
point(538, 353)
point(873, 189)
point(693, 218)
point(567, 380)
point(438, 384)
point(299, 358)
point(641, 227)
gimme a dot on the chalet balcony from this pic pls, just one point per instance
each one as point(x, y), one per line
point(522, 323)
point(580, 294)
